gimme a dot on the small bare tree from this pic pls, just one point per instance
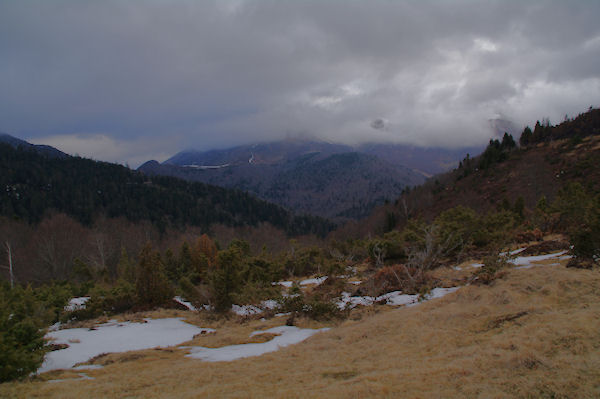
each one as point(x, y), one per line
point(379, 254)
point(10, 265)
point(429, 255)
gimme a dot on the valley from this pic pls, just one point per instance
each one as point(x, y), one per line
point(480, 282)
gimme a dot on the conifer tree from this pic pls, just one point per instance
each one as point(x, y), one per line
point(152, 285)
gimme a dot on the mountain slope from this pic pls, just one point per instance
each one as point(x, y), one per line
point(549, 158)
point(34, 184)
point(319, 178)
point(39, 148)
point(430, 160)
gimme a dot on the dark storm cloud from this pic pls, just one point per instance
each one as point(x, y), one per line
point(127, 81)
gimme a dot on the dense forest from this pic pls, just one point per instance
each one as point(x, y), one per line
point(34, 184)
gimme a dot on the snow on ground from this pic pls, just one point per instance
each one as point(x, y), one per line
point(85, 343)
point(394, 298)
point(534, 265)
point(286, 284)
point(247, 310)
point(77, 303)
point(514, 252)
point(288, 335)
point(185, 303)
point(317, 281)
point(526, 260)
point(308, 281)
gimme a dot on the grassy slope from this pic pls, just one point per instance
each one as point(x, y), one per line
point(473, 343)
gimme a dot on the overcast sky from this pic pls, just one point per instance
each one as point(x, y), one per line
point(128, 81)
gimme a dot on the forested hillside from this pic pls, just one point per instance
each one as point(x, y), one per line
point(506, 175)
point(34, 184)
point(313, 177)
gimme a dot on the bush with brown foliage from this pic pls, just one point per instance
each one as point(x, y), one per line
point(410, 280)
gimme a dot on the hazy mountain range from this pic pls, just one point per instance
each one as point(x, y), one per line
point(309, 176)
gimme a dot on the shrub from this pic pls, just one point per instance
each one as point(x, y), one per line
point(225, 278)
point(22, 319)
point(492, 268)
point(409, 280)
point(152, 285)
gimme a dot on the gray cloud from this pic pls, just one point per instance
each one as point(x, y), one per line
point(216, 73)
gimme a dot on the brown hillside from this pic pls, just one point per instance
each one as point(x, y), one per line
point(569, 152)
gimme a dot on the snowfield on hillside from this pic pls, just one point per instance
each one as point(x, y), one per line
point(286, 335)
point(86, 343)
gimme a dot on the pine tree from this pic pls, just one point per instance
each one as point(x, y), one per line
point(152, 285)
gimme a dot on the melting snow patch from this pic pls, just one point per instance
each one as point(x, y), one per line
point(82, 376)
point(85, 343)
point(77, 303)
point(185, 303)
point(477, 265)
point(316, 281)
point(287, 336)
point(286, 284)
point(533, 265)
point(526, 260)
point(269, 304)
point(245, 310)
point(395, 298)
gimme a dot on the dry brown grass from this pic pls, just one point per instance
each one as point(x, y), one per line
point(534, 333)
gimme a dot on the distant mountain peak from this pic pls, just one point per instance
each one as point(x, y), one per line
point(39, 148)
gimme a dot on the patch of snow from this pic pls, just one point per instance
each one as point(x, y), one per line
point(269, 304)
point(245, 310)
point(440, 292)
point(185, 303)
point(82, 376)
point(514, 252)
point(518, 251)
point(394, 298)
point(457, 268)
point(55, 326)
point(77, 303)
point(534, 265)
point(85, 343)
point(317, 281)
point(355, 282)
point(288, 335)
point(526, 260)
point(477, 265)
point(286, 284)
point(400, 299)
point(283, 314)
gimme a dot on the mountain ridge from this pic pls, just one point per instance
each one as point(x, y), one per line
point(325, 179)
